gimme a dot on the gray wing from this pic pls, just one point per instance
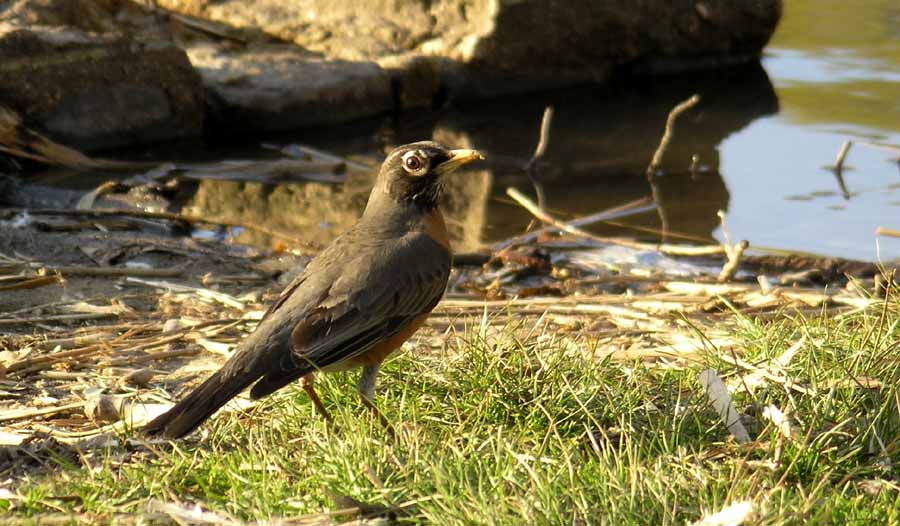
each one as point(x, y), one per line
point(372, 299)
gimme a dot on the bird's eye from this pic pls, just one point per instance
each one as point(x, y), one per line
point(413, 163)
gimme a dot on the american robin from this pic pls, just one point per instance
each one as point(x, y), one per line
point(354, 304)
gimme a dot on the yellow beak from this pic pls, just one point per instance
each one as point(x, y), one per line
point(458, 158)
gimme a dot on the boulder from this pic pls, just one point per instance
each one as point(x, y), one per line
point(94, 78)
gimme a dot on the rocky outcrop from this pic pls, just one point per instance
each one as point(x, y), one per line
point(94, 76)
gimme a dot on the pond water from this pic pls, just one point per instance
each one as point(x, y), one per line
point(830, 74)
point(762, 134)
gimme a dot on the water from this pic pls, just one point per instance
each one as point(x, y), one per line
point(762, 133)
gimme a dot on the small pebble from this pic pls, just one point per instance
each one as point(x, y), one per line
point(102, 408)
point(172, 325)
point(140, 377)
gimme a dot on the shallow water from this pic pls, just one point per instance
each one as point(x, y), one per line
point(762, 133)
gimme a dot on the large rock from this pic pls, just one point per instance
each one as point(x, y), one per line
point(477, 48)
point(268, 87)
point(96, 74)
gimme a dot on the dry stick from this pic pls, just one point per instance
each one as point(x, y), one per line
point(60, 317)
point(314, 152)
point(656, 161)
point(28, 413)
point(838, 165)
point(543, 139)
point(131, 360)
point(574, 230)
point(669, 131)
point(633, 207)
point(32, 283)
point(889, 232)
point(225, 299)
point(734, 260)
point(6, 212)
point(539, 150)
point(77, 270)
point(38, 363)
point(733, 253)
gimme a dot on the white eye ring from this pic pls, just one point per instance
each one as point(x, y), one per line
point(414, 163)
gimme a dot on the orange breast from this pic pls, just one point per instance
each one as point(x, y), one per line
point(377, 354)
point(436, 229)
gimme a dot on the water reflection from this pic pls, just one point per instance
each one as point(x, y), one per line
point(836, 73)
point(600, 144)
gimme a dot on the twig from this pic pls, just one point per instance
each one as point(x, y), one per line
point(225, 299)
point(531, 166)
point(78, 270)
point(656, 162)
point(889, 232)
point(302, 151)
point(733, 254)
point(838, 165)
point(59, 317)
point(32, 283)
point(633, 207)
point(29, 413)
point(10, 211)
point(543, 139)
point(667, 135)
point(131, 360)
point(574, 230)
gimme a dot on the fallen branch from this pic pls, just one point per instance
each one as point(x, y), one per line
point(633, 207)
point(570, 228)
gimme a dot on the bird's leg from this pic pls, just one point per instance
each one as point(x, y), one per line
point(367, 395)
point(307, 382)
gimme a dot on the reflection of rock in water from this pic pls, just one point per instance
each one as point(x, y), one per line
point(602, 140)
point(600, 144)
point(317, 212)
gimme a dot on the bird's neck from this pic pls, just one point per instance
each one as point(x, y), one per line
point(391, 214)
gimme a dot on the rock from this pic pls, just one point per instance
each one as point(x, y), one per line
point(140, 377)
point(103, 408)
point(96, 74)
point(271, 87)
point(478, 48)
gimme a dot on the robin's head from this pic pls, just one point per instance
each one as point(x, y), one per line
point(411, 174)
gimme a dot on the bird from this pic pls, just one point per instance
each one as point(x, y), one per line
point(353, 304)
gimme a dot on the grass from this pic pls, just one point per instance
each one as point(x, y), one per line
point(531, 429)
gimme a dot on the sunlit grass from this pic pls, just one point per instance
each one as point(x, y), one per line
point(521, 429)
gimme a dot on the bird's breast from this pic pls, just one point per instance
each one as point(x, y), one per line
point(436, 228)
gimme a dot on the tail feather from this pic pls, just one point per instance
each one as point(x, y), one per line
point(199, 405)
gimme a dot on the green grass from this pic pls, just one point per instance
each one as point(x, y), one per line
point(511, 431)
